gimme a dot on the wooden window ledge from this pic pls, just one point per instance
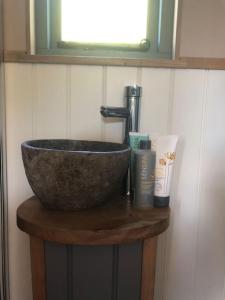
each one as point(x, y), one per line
point(179, 63)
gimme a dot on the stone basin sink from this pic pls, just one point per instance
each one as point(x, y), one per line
point(72, 174)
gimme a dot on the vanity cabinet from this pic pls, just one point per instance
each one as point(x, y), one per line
point(104, 253)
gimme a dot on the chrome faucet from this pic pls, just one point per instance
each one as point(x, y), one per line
point(130, 113)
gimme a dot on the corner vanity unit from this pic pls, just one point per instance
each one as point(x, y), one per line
point(102, 253)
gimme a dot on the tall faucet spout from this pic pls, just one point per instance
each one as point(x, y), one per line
point(130, 113)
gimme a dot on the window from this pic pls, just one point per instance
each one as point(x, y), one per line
point(105, 28)
point(98, 24)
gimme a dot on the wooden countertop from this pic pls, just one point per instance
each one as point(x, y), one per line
point(114, 222)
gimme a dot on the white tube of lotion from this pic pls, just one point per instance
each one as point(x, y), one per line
point(165, 147)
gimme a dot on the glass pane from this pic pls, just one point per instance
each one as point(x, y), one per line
point(104, 21)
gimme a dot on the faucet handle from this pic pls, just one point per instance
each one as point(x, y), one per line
point(114, 112)
point(133, 91)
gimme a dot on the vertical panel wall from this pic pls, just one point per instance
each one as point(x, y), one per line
point(186, 121)
point(63, 102)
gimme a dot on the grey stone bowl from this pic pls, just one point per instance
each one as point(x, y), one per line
point(73, 175)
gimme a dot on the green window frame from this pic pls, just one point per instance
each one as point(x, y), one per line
point(158, 43)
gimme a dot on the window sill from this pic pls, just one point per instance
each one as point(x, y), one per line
point(180, 63)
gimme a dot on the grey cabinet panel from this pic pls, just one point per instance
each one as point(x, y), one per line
point(56, 271)
point(129, 271)
point(93, 272)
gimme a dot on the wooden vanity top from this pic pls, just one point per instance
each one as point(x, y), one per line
point(114, 222)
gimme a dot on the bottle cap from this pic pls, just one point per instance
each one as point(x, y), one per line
point(145, 144)
point(161, 201)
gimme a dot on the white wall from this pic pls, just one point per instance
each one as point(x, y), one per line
point(52, 101)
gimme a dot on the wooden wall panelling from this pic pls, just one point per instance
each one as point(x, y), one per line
point(155, 100)
point(19, 107)
point(194, 264)
point(155, 110)
point(86, 85)
point(210, 260)
point(50, 103)
point(187, 118)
